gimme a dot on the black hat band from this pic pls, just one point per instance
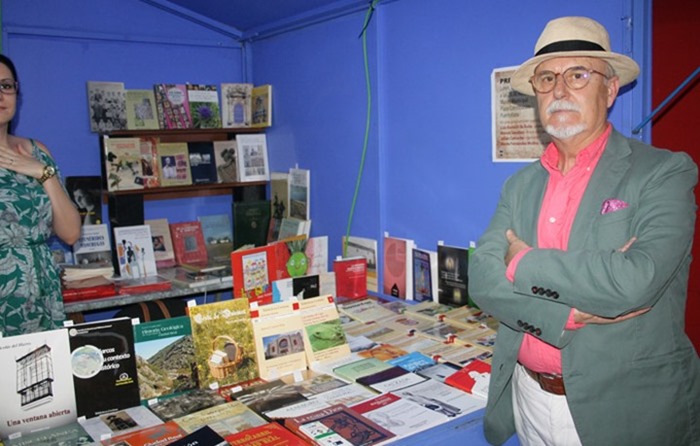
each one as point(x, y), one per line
point(569, 45)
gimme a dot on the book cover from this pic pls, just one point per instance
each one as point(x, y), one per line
point(225, 419)
point(365, 310)
point(473, 378)
point(204, 436)
point(165, 357)
point(413, 361)
point(350, 277)
point(122, 163)
point(202, 162)
point(140, 285)
point(141, 111)
point(298, 288)
point(149, 161)
point(188, 243)
point(268, 396)
point(470, 318)
point(300, 193)
point(218, 237)
point(340, 424)
point(251, 155)
point(251, 220)
point(226, 161)
point(134, 247)
point(401, 416)
point(261, 101)
point(37, 390)
point(71, 434)
point(439, 371)
point(279, 191)
point(172, 106)
point(347, 394)
point(441, 398)
point(93, 247)
point(359, 368)
point(398, 274)
point(324, 336)
point(204, 106)
point(453, 267)
point(279, 339)
point(291, 227)
point(119, 422)
point(360, 246)
point(174, 164)
point(317, 254)
point(390, 379)
point(86, 193)
point(106, 104)
point(178, 405)
point(61, 252)
point(163, 250)
point(424, 264)
point(267, 434)
point(430, 310)
point(253, 273)
point(86, 289)
point(224, 342)
point(383, 352)
point(236, 104)
point(160, 434)
point(103, 362)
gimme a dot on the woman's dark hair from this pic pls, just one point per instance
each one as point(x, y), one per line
point(9, 64)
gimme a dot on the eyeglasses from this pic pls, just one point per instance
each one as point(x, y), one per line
point(575, 78)
point(9, 87)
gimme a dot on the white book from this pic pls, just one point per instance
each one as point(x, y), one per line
point(93, 247)
point(299, 193)
point(135, 251)
point(251, 151)
point(400, 416)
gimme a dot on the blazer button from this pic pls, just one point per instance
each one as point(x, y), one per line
point(538, 331)
point(555, 295)
point(541, 291)
point(548, 293)
point(534, 289)
point(520, 323)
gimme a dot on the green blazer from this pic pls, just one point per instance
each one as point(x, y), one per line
point(631, 383)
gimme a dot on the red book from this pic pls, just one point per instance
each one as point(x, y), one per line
point(148, 284)
point(164, 433)
point(188, 243)
point(90, 288)
point(350, 277)
point(253, 272)
point(268, 434)
point(472, 378)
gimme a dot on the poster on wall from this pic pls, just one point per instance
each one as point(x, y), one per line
point(518, 135)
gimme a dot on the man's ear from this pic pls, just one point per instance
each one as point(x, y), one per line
point(613, 87)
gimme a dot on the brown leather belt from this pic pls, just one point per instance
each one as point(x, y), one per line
point(548, 382)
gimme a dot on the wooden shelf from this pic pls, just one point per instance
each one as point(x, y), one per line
point(187, 135)
point(189, 191)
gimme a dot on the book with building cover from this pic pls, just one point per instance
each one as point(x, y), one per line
point(279, 339)
point(86, 193)
point(204, 106)
point(122, 160)
point(166, 362)
point(261, 106)
point(398, 274)
point(71, 434)
point(188, 243)
point(134, 247)
point(163, 250)
point(93, 247)
point(323, 332)
point(226, 161)
point(174, 164)
point(251, 220)
point(236, 104)
point(107, 106)
point(37, 390)
point(103, 362)
point(202, 162)
point(453, 267)
point(252, 157)
point(141, 111)
point(224, 342)
point(172, 106)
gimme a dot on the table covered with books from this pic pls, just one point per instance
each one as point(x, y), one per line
point(311, 371)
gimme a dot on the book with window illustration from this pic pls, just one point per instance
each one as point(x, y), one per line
point(236, 104)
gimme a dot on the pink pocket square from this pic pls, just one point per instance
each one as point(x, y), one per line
point(612, 205)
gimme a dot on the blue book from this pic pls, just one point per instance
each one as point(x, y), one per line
point(413, 361)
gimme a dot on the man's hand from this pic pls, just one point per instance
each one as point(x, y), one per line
point(515, 246)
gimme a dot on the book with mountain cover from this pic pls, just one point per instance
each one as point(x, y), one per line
point(218, 237)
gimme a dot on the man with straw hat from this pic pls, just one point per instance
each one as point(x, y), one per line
point(585, 263)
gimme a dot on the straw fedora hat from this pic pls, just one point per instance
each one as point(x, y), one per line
point(573, 37)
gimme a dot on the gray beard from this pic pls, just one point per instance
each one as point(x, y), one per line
point(565, 132)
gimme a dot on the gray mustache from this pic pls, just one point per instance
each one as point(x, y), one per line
point(561, 105)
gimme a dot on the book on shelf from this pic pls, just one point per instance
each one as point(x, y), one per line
point(178, 405)
point(253, 273)
point(300, 193)
point(225, 158)
point(338, 424)
point(141, 111)
point(134, 247)
point(279, 192)
point(218, 237)
point(37, 383)
point(93, 247)
point(87, 289)
point(236, 104)
point(251, 220)
point(279, 339)
point(204, 436)
point(160, 434)
point(473, 378)
point(86, 193)
point(61, 252)
point(172, 106)
point(202, 162)
point(70, 434)
point(141, 285)
point(361, 246)
point(149, 161)
point(104, 366)
point(290, 227)
point(324, 336)
point(123, 169)
point(188, 243)
point(204, 106)
point(251, 156)
point(106, 106)
point(224, 342)
point(400, 416)
point(398, 274)
point(174, 164)
point(184, 278)
point(424, 264)
point(350, 277)
point(119, 422)
point(166, 362)
point(269, 433)
point(317, 254)
point(163, 250)
point(225, 419)
point(261, 103)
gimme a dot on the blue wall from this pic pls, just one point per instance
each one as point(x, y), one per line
point(428, 173)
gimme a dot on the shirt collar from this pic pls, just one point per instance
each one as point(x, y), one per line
point(550, 156)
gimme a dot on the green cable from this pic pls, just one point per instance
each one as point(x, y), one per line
point(368, 17)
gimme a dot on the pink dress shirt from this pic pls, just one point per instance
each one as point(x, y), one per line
point(559, 207)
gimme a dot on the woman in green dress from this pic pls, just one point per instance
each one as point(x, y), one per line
point(33, 205)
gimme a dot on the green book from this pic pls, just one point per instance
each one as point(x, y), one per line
point(357, 369)
point(251, 220)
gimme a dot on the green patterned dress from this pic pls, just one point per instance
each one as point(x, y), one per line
point(30, 287)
